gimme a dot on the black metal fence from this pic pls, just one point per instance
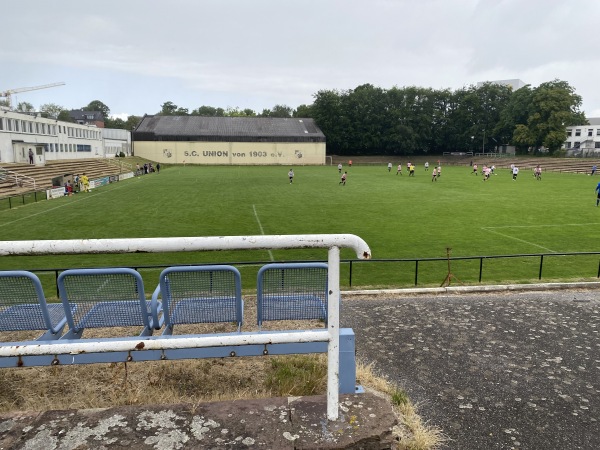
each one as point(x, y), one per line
point(22, 199)
point(538, 260)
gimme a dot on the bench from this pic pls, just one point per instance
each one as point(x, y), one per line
point(198, 294)
point(109, 298)
point(100, 298)
point(23, 306)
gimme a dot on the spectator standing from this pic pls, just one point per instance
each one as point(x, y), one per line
point(157, 167)
point(30, 156)
point(594, 168)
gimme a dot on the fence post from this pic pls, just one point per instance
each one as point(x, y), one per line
point(480, 268)
point(416, 271)
point(350, 280)
point(541, 264)
point(56, 283)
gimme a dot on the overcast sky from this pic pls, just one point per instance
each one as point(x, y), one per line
point(134, 55)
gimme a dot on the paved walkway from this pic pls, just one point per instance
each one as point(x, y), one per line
point(493, 370)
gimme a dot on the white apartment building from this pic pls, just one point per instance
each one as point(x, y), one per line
point(583, 140)
point(51, 139)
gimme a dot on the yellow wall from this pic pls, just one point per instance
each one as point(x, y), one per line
point(233, 153)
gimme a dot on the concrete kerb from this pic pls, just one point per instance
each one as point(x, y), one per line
point(474, 289)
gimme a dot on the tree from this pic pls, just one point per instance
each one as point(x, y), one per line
point(132, 122)
point(208, 111)
point(97, 105)
point(282, 111)
point(168, 109)
point(25, 107)
point(303, 111)
point(55, 111)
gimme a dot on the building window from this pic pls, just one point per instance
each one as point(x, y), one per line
point(576, 144)
point(568, 144)
point(1, 124)
point(16, 125)
point(9, 124)
point(577, 132)
point(590, 132)
point(569, 132)
point(597, 144)
point(598, 132)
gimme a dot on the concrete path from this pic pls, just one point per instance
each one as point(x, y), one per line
point(493, 370)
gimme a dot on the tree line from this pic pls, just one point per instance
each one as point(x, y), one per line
point(370, 120)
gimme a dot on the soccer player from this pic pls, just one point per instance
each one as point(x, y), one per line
point(434, 174)
point(593, 169)
point(475, 169)
point(340, 168)
point(291, 175)
point(411, 170)
point(85, 181)
point(598, 191)
point(515, 172)
point(399, 171)
point(426, 166)
point(389, 167)
point(343, 180)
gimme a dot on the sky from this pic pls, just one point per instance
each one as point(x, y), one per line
point(135, 55)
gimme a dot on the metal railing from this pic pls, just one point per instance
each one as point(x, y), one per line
point(420, 261)
point(331, 335)
point(22, 199)
point(418, 264)
point(17, 178)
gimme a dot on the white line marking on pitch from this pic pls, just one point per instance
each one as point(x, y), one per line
point(516, 239)
point(57, 207)
point(261, 229)
point(537, 226)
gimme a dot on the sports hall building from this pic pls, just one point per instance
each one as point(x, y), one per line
point(50, 139)
point(229, 140)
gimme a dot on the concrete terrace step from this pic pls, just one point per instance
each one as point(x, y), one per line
point(43, 175)
point(365, 421)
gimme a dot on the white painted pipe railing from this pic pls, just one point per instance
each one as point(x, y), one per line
point(333, 242)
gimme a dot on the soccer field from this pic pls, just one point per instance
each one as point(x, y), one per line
point(398, 216)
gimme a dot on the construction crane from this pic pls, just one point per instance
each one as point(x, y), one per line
point(7, 94)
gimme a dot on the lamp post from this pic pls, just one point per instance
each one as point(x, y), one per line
point(483, 142)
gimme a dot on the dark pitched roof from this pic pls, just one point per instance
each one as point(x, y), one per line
point(234, 129)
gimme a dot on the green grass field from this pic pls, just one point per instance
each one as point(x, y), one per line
point(398, 216)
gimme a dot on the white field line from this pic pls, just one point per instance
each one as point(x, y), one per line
point(491, 230)
point(261, 230)
point(539, 226)
point(61, 206)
